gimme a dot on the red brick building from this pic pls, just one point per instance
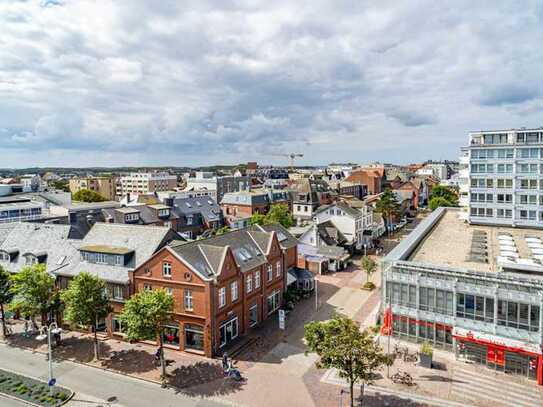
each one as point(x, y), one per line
point(222, 286)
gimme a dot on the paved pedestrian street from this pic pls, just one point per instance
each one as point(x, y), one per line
point(485, 390)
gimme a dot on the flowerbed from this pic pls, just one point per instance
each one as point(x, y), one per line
point(32, 390)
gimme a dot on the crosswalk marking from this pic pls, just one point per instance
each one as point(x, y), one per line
point(469, 386)
point(496, 384)
point(489, 379)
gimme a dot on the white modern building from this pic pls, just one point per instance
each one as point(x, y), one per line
point(207, 181)
point(505, 177)
point(145, 182)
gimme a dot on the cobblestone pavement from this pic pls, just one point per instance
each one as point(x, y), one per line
point(455, 381)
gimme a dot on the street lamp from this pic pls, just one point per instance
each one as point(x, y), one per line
point(45, 333)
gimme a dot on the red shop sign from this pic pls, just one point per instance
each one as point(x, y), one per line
point(495, 355)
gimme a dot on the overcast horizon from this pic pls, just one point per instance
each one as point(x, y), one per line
point(195, 83)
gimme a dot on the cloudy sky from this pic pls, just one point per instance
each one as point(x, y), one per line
point(144, 82)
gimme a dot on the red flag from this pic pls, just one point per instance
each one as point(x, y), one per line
point(386, 329)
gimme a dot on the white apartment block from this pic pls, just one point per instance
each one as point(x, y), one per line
point(145, 182)
point(505, 173)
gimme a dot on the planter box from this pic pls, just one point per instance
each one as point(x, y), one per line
point(425, 360)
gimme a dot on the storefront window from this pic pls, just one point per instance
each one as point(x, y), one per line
point(170, 335)
point(194, 337)
point(518, 315)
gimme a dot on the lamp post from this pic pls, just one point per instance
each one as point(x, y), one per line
point(316, 294)
point(45, 333)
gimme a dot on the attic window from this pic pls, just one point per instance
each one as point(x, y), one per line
point(30, 259)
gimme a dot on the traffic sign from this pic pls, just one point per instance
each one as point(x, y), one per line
point(52, 382)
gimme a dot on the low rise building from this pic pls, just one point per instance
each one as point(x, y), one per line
point(221, 184)
point(21, 209)
point(111, 252)
point(104, 186)
point(145, 183)
point(196, 216)
point(474, 290)
point(222, 286)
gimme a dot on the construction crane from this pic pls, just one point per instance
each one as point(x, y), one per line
point(291, 157)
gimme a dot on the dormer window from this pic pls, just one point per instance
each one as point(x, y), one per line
point(131, 217)
point(5, 256)
point(30, 260)
point(164, 212)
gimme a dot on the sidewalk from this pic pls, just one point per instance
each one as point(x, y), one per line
point(96, 387)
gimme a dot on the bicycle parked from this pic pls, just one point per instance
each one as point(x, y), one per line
point(402, 378)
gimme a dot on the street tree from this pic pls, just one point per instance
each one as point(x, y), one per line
point(86, 303)
point(340, 344)
point(144, 316)
point(86, 195)
point(6, 295)
point(369, 266)
point(34, 293)
point(388, 207)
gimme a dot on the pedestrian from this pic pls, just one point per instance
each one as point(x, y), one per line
point(26, 328)
point(157, 356)
point(225, 364)
point(57, 338)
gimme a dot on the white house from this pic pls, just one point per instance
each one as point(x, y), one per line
point(349, 221)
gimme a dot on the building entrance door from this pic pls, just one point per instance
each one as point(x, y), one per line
point(229, 331)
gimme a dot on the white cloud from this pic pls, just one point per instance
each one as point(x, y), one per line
point(206, 81)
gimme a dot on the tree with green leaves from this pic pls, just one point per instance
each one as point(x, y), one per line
point(86, 195)
point(34, 293)
point(86, 303)
point(279, 213)
point(257, 219)
point(222, 231)
point(442, 196)
point(369, 266)
point(388, 206)
point(340, 344)
point(6, 295)
point(144, 316)
point(444, 191)
point(61, 185)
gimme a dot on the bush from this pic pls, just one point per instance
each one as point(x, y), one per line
point(369, 286)
point(426, 349)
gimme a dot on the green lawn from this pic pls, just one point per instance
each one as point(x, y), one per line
point(32, 390)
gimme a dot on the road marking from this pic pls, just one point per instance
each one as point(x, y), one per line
point(476, 388)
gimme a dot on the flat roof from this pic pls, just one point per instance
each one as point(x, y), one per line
point(453, 242)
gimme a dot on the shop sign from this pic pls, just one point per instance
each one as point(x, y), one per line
point(489, 339)
point(495, 355)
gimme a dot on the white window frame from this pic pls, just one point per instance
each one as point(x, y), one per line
point(249, 283)
point(278, 268)
point(234, 293)
point(222, 297)
point(147, 287)
point(188, 300)
point(270, 272)
point(118, 292)
point(257, 279)
point(254, 306)
point(166, 269)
